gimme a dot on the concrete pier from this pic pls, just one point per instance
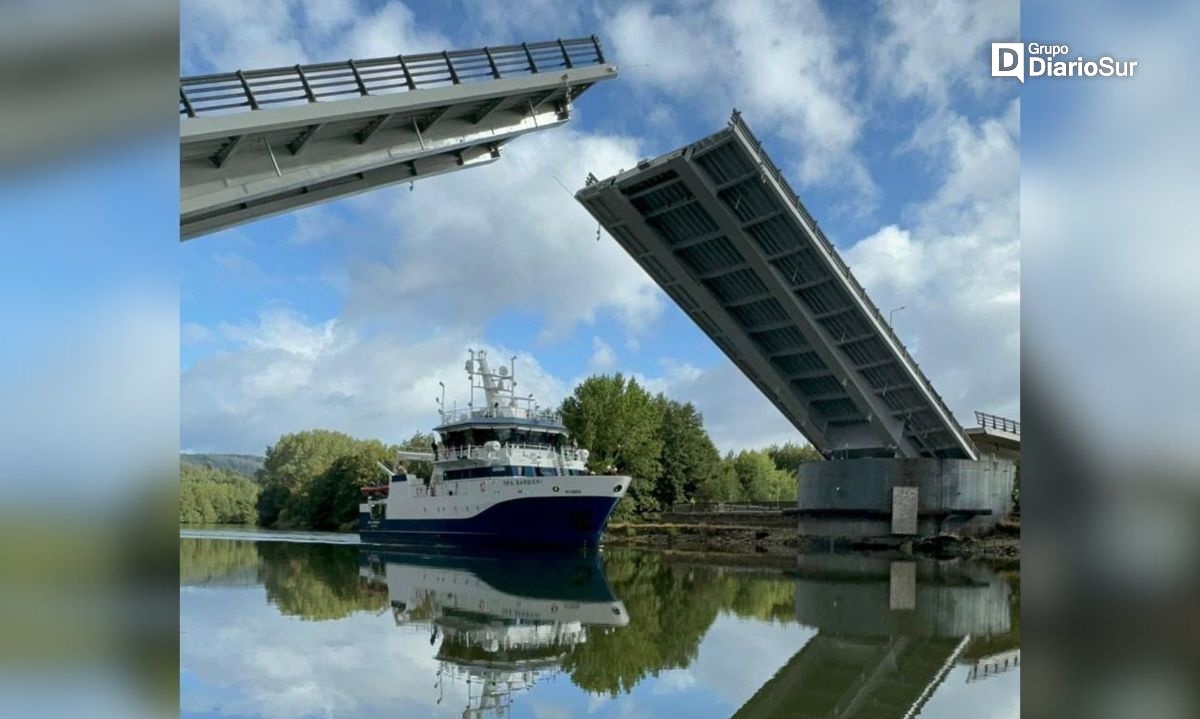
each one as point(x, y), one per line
point(873, 498)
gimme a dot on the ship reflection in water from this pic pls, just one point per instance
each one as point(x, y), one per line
point(374, 631)
point(504, 621)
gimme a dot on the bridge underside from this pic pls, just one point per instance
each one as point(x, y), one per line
point(855, 677)
point(257, 143)
point(719, 229)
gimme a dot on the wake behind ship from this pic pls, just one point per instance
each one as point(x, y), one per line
point(504, 473)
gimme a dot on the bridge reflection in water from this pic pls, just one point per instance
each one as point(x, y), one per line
point(888, 634)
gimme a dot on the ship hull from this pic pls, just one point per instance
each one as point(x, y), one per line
point(571, 521)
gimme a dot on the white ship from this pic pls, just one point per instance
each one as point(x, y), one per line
point(504, 472)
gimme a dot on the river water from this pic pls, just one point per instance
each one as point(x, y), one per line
point(306, 624)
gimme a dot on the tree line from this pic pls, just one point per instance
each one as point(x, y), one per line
point(663, 445)
point(208, 495)
point(313, 479)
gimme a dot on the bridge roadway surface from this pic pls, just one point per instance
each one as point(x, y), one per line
point(260, 142)
point(716, 225)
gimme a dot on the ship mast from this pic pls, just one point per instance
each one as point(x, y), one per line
point(499, 387)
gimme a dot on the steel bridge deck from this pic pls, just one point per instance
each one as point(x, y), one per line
point(719, 229)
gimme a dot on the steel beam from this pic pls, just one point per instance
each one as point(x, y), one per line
point(295, 146)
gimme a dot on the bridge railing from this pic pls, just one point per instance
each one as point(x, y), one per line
point(222, 93)
point(993, 421)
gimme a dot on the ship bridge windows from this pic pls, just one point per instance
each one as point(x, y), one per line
point(501, 471)
point(479, 436)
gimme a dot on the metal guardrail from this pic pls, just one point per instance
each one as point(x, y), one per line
point(737, 121)
point(254, 89)
point(480, 452)
point(993, 421)
point(539, 416)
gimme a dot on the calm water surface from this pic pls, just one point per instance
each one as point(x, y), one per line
point(287, 625)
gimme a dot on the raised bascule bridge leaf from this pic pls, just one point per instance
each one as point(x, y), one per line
point(255, 143)
point(716, 225)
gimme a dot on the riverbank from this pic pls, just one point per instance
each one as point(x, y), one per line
point(1002, 546)
point(726, 542)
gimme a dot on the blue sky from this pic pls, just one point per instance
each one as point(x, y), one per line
point(346, 315)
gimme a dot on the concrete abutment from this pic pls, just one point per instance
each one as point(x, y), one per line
point(873, 498)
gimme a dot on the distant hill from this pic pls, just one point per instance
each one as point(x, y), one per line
point(244, 464)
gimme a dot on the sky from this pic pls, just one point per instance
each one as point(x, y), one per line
point(883, 116)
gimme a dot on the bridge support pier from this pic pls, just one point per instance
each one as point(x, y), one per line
point(903, 498)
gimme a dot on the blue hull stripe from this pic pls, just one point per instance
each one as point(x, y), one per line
point(530, 520)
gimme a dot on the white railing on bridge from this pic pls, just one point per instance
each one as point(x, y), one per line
point(256, 89)
point(1003, 424)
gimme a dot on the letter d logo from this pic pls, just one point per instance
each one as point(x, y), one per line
point(1008, 60)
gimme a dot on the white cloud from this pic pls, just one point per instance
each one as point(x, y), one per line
point(501, 237)
point(232, 34)
point(546, 710)
point(603, 357)
point(672, 681)
point(193, 333)
point(272, 666)
point(736, 414)
point(225, 35)
point(781, 63)
point(931, 47)
point(721, 666)
point(956, 269)
point(286, 373)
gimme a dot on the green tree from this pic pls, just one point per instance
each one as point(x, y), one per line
point(689, 459)
point(317, 582)
point(722, 485)
point(217, 562)
point(215, 496)
point(789, 456)
point(759, 480)
point(271, 503)
point(340, 489)
point(291, 471)
point(418, 442)
point(618, 421)
point(670, 608)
